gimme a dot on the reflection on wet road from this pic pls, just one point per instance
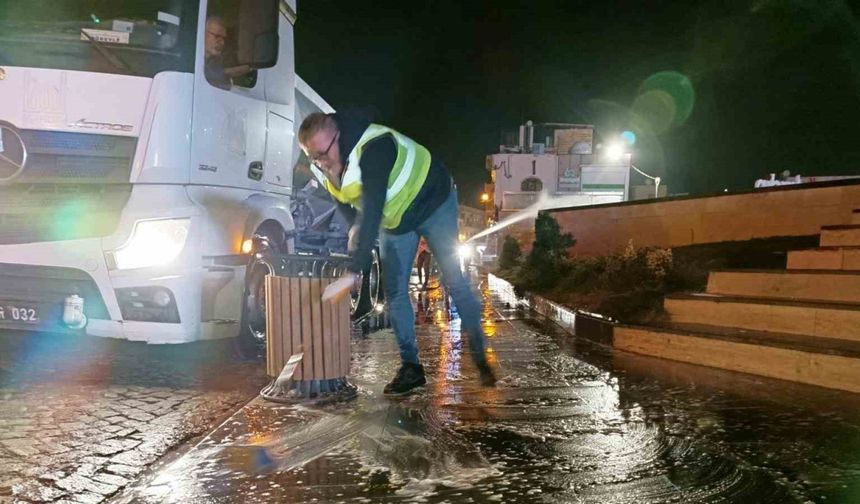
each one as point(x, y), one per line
point(569, 422)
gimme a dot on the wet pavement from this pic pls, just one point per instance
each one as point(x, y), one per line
point(570, 421)
point(82, 417)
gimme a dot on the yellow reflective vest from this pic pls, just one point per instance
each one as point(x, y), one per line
point(405, 181)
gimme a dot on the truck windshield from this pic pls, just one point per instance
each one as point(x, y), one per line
point(132, 37)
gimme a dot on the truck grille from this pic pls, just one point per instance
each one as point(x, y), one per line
point(72, 186)
point(58, 156)
point(32, 213)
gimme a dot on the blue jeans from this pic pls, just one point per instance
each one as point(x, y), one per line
point(398, 253)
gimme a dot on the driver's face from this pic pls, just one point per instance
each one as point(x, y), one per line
point(323, 151)
point(216, 34)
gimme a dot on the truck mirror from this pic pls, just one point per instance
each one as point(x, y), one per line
point(258, 33)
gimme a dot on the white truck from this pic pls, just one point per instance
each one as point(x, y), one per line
point(136, 189)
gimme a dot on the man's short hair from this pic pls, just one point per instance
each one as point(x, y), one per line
point(216, 20)
point(313, 124)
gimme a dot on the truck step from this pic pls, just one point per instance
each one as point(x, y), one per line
point(815, 361)
point(824, 320)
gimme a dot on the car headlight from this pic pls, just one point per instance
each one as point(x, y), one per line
point(152, 243)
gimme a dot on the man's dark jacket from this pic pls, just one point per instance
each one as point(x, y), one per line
point(377, 161)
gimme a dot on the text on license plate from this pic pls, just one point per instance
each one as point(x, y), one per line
point(19, 313)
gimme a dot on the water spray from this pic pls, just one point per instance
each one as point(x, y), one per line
point(530, 212)
point(547, 202)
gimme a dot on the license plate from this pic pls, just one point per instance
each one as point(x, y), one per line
point(19, 312)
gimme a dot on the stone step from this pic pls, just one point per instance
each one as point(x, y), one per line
point(847, 235)
point(825, 320)
point(829, 258)
point(796, 285)
point(815, 361)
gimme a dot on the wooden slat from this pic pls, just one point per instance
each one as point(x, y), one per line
point(285, 330)
point(295, 322)
point(316, 328)
point(334, 330)
point(281, 314)
point(345, 335)
point(272, 335)
point(274, 322)
point(327, 336)
point(308, 359)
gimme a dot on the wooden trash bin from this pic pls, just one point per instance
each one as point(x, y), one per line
point(315, 334)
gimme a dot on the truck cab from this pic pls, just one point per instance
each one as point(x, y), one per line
point(147, 152)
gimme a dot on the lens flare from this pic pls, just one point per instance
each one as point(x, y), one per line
point(668, 97)
point(72, 219)
point(656, 109)
point(629, 137)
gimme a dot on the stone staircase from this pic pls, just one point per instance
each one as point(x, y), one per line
point(800, 324)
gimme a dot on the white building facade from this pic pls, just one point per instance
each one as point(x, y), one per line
point(564, 167)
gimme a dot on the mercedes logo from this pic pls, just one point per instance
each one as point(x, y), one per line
point(13, 153)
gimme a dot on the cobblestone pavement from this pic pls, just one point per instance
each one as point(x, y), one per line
point(81, 417)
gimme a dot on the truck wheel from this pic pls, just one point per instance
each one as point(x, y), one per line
point(251, 342)
point(370, 295)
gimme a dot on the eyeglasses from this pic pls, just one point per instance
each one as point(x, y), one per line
point(315, 159)
point(217, 36)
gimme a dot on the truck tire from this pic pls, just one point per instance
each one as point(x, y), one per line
point(251, 341)
point(370, 295)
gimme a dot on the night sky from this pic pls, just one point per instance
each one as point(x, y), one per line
point(719, 93)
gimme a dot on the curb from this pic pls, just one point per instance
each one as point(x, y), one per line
point(591, 326)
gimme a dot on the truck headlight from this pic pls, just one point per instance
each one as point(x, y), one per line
point(464, 251)
point(152, 243)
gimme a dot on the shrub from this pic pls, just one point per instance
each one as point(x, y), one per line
point(644, 269)
point(628, 285)
point(550, 243)
point(548, 258)
point(510, 255)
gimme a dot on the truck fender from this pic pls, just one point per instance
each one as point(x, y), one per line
point(262, 208)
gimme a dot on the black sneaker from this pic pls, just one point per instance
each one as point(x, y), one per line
point(409, 376)
point(487, 376)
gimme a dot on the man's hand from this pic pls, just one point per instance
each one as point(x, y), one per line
point(237, 70)
point(336, 290)
point(352, 243)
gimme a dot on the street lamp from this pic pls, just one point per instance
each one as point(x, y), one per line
point(615, 151)
point(624, 147)
point(485, 198)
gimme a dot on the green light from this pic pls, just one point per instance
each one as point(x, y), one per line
point(656, 109)
point(74, 218)
point(667, 99)
point(95, 19)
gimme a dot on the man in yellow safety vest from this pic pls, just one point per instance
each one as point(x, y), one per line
point(384, 179)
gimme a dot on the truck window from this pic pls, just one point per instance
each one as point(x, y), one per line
point(221, 67)
point(132, 37)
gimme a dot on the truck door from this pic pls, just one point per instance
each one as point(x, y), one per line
point(279, 83)
point(230, 113)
